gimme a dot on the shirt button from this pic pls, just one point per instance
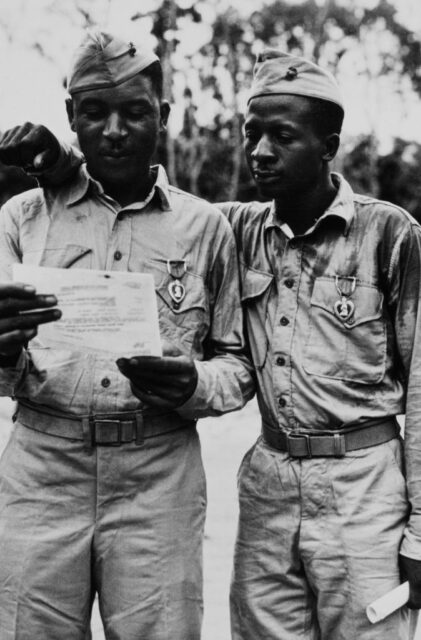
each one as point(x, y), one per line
point(280, 361)
point(105, 382)
point(284, 321)
point(282, 402)
point(289, 283)
point(118, 255)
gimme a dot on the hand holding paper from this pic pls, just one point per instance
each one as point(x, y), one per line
point(166, 382)
point(21, 311)
point(107, 312)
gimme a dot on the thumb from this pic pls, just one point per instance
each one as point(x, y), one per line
point(169, 349)
point(41, 160)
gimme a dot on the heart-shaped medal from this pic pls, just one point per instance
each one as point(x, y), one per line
point(344, 309)
point(177, 291)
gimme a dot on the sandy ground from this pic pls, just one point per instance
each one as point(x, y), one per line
point(224, 442)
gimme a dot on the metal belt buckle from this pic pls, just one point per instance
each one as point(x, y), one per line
point(339, 445)
point(297, 436)
point(107, 428)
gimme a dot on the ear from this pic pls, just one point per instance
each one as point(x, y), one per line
point(70, 113)
point(164, 113)
point(331, 146)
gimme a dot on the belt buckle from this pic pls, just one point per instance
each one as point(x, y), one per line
point(102, 426)
point(339, 445)
point(297, 436)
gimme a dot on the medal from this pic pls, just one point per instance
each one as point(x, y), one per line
point(176, 289)
point(344, 308)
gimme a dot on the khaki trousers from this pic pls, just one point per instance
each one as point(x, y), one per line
point(318, 540)
point(124, 522)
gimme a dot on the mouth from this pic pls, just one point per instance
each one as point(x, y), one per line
point(115, 155)
point(265, 176)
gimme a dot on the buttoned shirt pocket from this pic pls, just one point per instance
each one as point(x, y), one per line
point(256, 287)
point(352, 349)
point(188, 319)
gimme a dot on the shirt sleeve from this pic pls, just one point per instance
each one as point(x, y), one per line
point(10, 376)
point(226, 375)
point(69, 160)
point(405, 271)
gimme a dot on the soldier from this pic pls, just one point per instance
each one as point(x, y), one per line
point(102, 486)
point(331, 282)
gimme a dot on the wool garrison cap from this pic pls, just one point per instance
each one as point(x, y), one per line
point(103, 61)
point(276, 72)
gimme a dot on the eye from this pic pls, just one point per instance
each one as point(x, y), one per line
point(251, 135)
point(94, 113)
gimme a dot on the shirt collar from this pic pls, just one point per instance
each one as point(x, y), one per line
point(342, 207)
point(86, 184)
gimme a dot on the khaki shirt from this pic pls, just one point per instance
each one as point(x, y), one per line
point(315, 369)
point(79, 226)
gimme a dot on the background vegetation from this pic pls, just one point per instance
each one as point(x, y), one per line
point(365, 44)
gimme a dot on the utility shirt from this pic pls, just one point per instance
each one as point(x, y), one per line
point(79, 226)
point(333, 320)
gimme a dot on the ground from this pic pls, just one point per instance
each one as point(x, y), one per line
point(224, 442)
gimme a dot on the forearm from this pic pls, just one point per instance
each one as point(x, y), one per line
point(225, 383)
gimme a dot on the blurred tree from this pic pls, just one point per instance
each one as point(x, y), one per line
point(360, 42)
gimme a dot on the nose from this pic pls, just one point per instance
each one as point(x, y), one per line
point(115, 128)
point(262, 150)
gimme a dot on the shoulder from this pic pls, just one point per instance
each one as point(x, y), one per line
point(27, 203)
point(393, 222)
point(246, 218)
point(193, 210)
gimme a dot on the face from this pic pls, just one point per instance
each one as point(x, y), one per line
point(118, 130)
point(286, 156)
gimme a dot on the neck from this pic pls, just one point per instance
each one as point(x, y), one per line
point(132, 191)
point(301, 211)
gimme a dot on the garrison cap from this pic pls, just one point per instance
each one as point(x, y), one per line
point(103, 61)
point(276, 72)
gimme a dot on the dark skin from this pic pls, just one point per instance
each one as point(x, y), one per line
point(289, 160)
point(118, 130)
point(279, 134)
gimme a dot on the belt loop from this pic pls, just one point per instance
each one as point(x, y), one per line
point(140, 439)
point(87, 436)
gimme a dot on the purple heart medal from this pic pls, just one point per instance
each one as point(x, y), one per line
point(344, 308)
point(176, 289)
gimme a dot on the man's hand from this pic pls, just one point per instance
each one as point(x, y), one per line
point(17, 328)
point(166, 382)
point(411, 570)
point(30, 146)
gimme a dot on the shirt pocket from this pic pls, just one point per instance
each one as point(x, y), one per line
point(187, 320)
point(71, 255)
point(256, 287)
point(352, 350)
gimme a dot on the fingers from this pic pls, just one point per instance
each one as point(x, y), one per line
point(14, 305)
point(21, 145)
point(150, 365)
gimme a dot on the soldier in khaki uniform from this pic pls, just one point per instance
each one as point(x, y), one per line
point(331, 281)
point(101, 485)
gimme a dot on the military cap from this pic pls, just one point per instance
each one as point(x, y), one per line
point(103, 60)
point(276, 72)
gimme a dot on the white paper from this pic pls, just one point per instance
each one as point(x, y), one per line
point(102, 311)
point(387, 604)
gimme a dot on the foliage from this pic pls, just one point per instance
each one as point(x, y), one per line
point(208, 85)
